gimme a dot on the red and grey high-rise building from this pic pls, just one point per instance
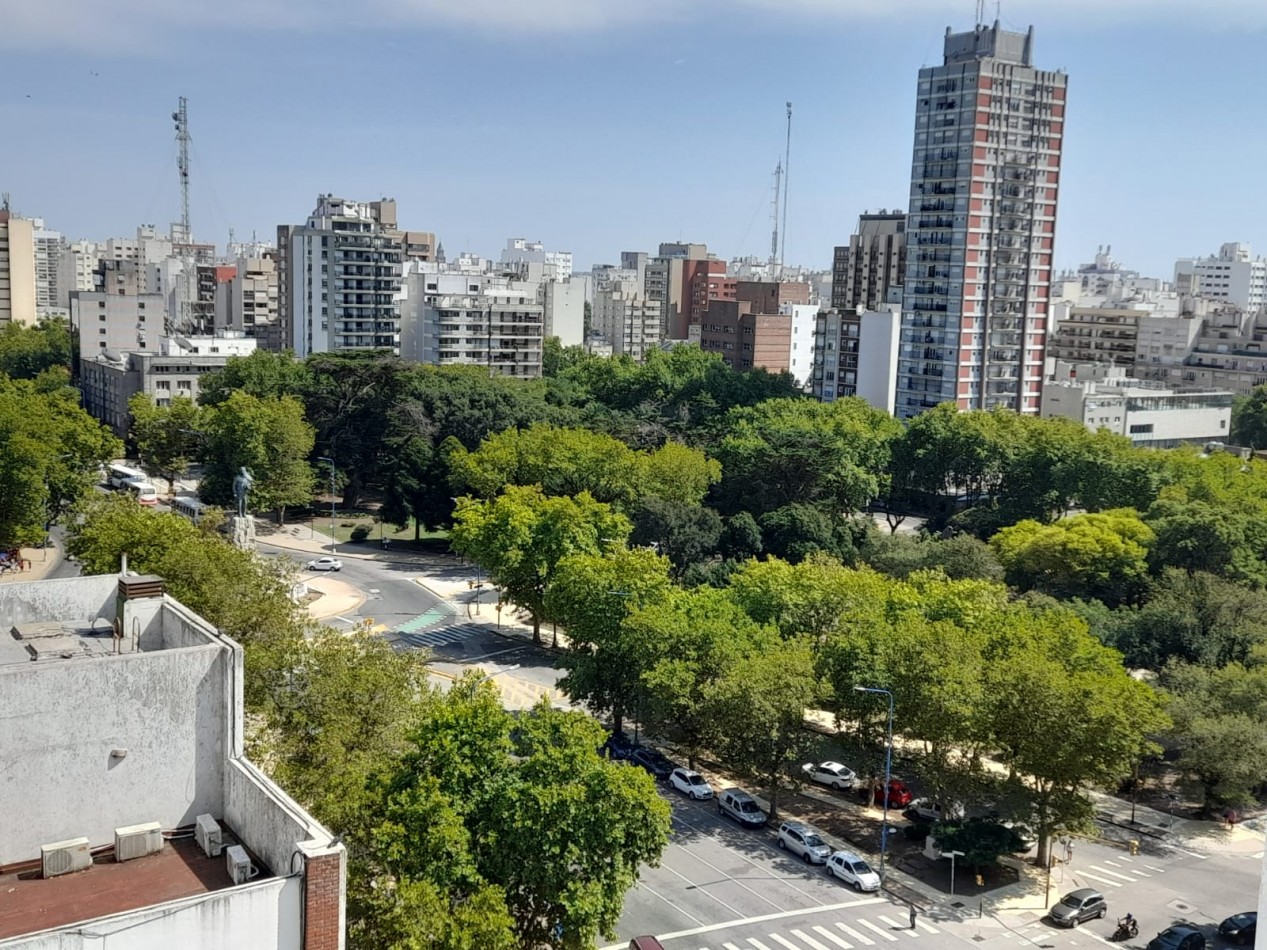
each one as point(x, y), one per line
point(982, 226)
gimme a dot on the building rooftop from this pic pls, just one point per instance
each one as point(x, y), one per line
point(33, 903)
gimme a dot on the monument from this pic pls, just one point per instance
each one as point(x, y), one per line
point(242, 524)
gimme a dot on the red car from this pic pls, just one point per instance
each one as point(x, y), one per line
point(899, 795)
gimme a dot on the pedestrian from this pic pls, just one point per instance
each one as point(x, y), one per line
point(914, 914)
point(1230, 816)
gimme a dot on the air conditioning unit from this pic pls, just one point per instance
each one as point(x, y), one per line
point(207, 834)
point(62, 857)
point(136, 841)
point(239, 865)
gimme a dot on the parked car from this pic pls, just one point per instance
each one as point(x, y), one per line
point(645, 943)
point(803, 841)
point(739, 805)
point(691, 783)
point(925, 809)
point(1077, 906)
point(899, 795)
point(1240, 928)
point(653, 762)
point(1178, 937)
point(854, 871)
point(618, 746)
point(326, 563)
point(832, 774)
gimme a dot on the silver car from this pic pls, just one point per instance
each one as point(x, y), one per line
point(804, 841)
point(691, 783)
point(832, 774)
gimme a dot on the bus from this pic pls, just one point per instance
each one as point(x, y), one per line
point(190, 507)
point(143, 491)
point(118, 476)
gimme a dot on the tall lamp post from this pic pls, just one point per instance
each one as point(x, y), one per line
point(888, 773)
point(952, 855)
point(334, 541)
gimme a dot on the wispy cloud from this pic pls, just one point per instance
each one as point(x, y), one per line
point(135, 25)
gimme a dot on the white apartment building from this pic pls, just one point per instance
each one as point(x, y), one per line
point(557, 265)
point(1233, 276)
point(869, 344)
point(17, 269)
point(1224, 348)
point(117, 321)
point(47, 247)
point(627, 318)
point(339, 276)
point(985, 176)
point(564, 310)
point(487, 320)
point(76, 269)
point(1151, 415)
point(801, 360)
point(130, 772)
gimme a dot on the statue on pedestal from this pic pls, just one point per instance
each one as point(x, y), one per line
point(242, 488)
point(242, 524)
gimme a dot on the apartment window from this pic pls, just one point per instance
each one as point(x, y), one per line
point(102, 318)
point(103, 333)
point(1142, 429)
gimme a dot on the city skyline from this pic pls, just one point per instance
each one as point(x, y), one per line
point(596, 131)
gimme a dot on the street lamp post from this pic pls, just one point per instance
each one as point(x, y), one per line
point(952, 855)
point(888, 773)
point(334, 541)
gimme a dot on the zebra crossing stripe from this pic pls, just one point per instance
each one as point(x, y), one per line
point(883, 933)
point(838, 941)
point(814, 944)
point(929, 928)
point(896, 926)
point(784, 941)
point(865, 941)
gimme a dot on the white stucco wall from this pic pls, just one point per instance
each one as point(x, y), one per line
point(878, 341)
point(63, 718)
point(78, 599)
point(265, 914)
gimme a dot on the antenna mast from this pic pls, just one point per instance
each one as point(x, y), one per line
point(774, 237)
point(181, 118)
point(787, 161)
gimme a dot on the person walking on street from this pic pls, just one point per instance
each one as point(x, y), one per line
point(1230, 816)
point(914, 914)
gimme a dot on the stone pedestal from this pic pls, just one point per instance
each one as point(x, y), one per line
point(242, 531)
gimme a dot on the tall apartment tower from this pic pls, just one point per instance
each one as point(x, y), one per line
point(17, 269)
point(979, 237)
point(339, 276)
point(872, 263)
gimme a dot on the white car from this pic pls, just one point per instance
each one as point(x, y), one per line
point(925, 809)
point(832, 774)
point(803, 841)
point(325, 564)
point(691, 783)
point(853, 870)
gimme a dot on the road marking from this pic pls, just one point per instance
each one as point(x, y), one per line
point(1123, 877)
point(865, 941)
point(1155, 868)
point(784, 941)
point(782, 915)
point(733, 880)
point(896, 926)
point(838, 941)
point(702, 890)
point(757, 943)
point(883, 933)
point(729, 946)
point(814, 944)
point(927, 927)
point(684, 913)
point(1102, 880)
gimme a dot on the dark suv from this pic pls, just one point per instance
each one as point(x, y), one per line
point(1077, 906)
point(653, 762)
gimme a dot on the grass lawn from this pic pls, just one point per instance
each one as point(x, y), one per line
point(345, 524)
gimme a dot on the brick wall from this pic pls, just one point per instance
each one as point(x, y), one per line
point(323, 902)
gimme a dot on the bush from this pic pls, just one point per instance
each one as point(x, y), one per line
point(917, 831)
point(360, 532)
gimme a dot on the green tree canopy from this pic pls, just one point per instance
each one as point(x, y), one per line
point(26, 352)
point(264, 374)
point(166, 437)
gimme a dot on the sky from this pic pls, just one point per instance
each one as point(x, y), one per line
point(598, 126)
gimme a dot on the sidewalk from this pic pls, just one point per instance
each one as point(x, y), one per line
point(42, 560)
point(333, 597)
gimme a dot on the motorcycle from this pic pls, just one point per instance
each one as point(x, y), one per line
point(1127, 927)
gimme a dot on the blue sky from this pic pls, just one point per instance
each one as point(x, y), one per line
point(603, 125)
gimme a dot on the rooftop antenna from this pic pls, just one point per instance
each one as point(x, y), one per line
point(980, 11)
point(181, 118)
point(787, 161)
point(774, 237)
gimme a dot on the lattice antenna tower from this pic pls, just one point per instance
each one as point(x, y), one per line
point(787, 164)
point(774, 236)
point(181, 118)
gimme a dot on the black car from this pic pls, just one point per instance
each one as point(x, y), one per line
point(1240, 928)
point(653, 762)
point(618, 746)
point(1178, 937)
point(1077, 906)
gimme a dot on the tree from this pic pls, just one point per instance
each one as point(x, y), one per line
point(1249, 419)
point(520, 537)
point(1197, 536)
point(685, 534)
point(759, 707)
point(741, 537)
point(265, 374)
point(522, 808)
point(796, 531)
point(1102, 555)
point(557, 358)
point(592, 596)
point(980, 841)
point(959, 557)
point(166, 437)
point(26, 352)
point(267, 436)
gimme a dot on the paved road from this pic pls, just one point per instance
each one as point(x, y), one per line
point(720, 886)
point(414, 618)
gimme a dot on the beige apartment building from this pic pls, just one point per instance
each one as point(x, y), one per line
point(17, 269)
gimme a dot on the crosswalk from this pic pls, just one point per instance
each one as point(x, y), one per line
point(836, 935)
point(439, 612)
point(454, 633)
point(1117, 872)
